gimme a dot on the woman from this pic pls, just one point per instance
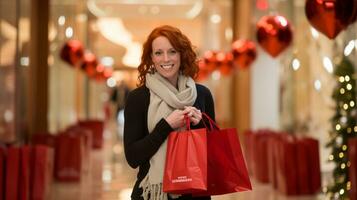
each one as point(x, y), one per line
point(166, 93)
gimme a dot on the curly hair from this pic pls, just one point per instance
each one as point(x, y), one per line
point(180, 43)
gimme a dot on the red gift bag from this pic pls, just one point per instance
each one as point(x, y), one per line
point(12, 173)
point(24, 178)
point(41, 172)
point(286, 166)
point(302, 168)
point(44, 138)
point(186, 161)
point(312, 146)
point(260, 156)
point(248, 149)
point(68, 157)
point(226, 170)
point(88, 140)
point(2, 174)
point(272, 151)
point(97, 128)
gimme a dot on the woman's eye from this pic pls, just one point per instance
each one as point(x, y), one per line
point(157, 53)
point(173, 52)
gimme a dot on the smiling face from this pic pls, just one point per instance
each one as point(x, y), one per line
point(166, 59)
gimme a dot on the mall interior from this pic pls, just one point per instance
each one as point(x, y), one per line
point(281, 73)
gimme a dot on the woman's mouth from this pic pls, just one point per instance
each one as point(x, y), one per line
point(167, 66)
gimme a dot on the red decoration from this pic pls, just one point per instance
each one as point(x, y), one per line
point(89, 64)
point(203, 71)
point(72, 52)
point(330, 17)
point(225, 62)
point(274, 34)
point(210, 60)
point(262, 4)
point(108, 72)
point(102, 73)
point(244, 53)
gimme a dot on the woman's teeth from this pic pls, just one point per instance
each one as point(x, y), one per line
point(167, 66)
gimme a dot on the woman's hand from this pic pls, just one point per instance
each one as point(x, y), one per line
point(176, 118)
point(194, 114)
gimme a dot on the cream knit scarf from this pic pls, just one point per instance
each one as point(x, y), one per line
point(164, 98)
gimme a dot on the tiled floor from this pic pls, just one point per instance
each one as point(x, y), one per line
point(110, 178)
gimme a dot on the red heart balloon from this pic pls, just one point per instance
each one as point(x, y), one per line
point(274, 34)
point(89, 64)
point(225, 62)
point(330, 17)
point(72, 52)
point(102, 73)
point(244, 53)
point(210, 58)
point(203, 71)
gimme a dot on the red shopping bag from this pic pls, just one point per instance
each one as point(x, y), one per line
point(44, 138)
point(41, 172)
point(88, 138)
point(12, 173)
point(97, 128)
point(69, 152)
point(186, 161)
point(286, 172)
point(2, 171)
point(24, 173)
point(226, 170)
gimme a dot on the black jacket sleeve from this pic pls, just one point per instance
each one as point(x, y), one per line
point(139, 145)
point(205, 103)
point(209, 105)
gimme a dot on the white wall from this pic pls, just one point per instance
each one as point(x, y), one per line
point(265, 91)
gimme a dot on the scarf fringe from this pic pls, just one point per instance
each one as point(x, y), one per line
point(154, 191)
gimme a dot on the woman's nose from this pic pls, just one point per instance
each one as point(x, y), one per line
point(166, 57)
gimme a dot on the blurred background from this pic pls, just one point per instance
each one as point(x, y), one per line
point(282, 72)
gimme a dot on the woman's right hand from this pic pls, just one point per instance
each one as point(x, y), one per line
point(176, 118)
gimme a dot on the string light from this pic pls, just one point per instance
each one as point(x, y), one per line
point(327, 63)
point(341, 79)
point(338, 127)
point(337, 195)
point(348, 185)
point(347, 78)
point(296, 64)
point(344, 147)
point(355, 129)
point(342, 91)
point(348, 164)
point(345, 106)
point(349, 130)
point(343, 166)
point(352, 103)
point(349, 86)
point(342, 191)
point(330, 157)
point(341, 154)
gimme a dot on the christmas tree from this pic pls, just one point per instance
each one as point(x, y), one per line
point(343, 128)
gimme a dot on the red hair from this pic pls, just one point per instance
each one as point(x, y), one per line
point(180, 43)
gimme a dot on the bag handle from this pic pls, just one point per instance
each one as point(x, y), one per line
point(204, 123)
point(211, 122)
point(187, 120)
